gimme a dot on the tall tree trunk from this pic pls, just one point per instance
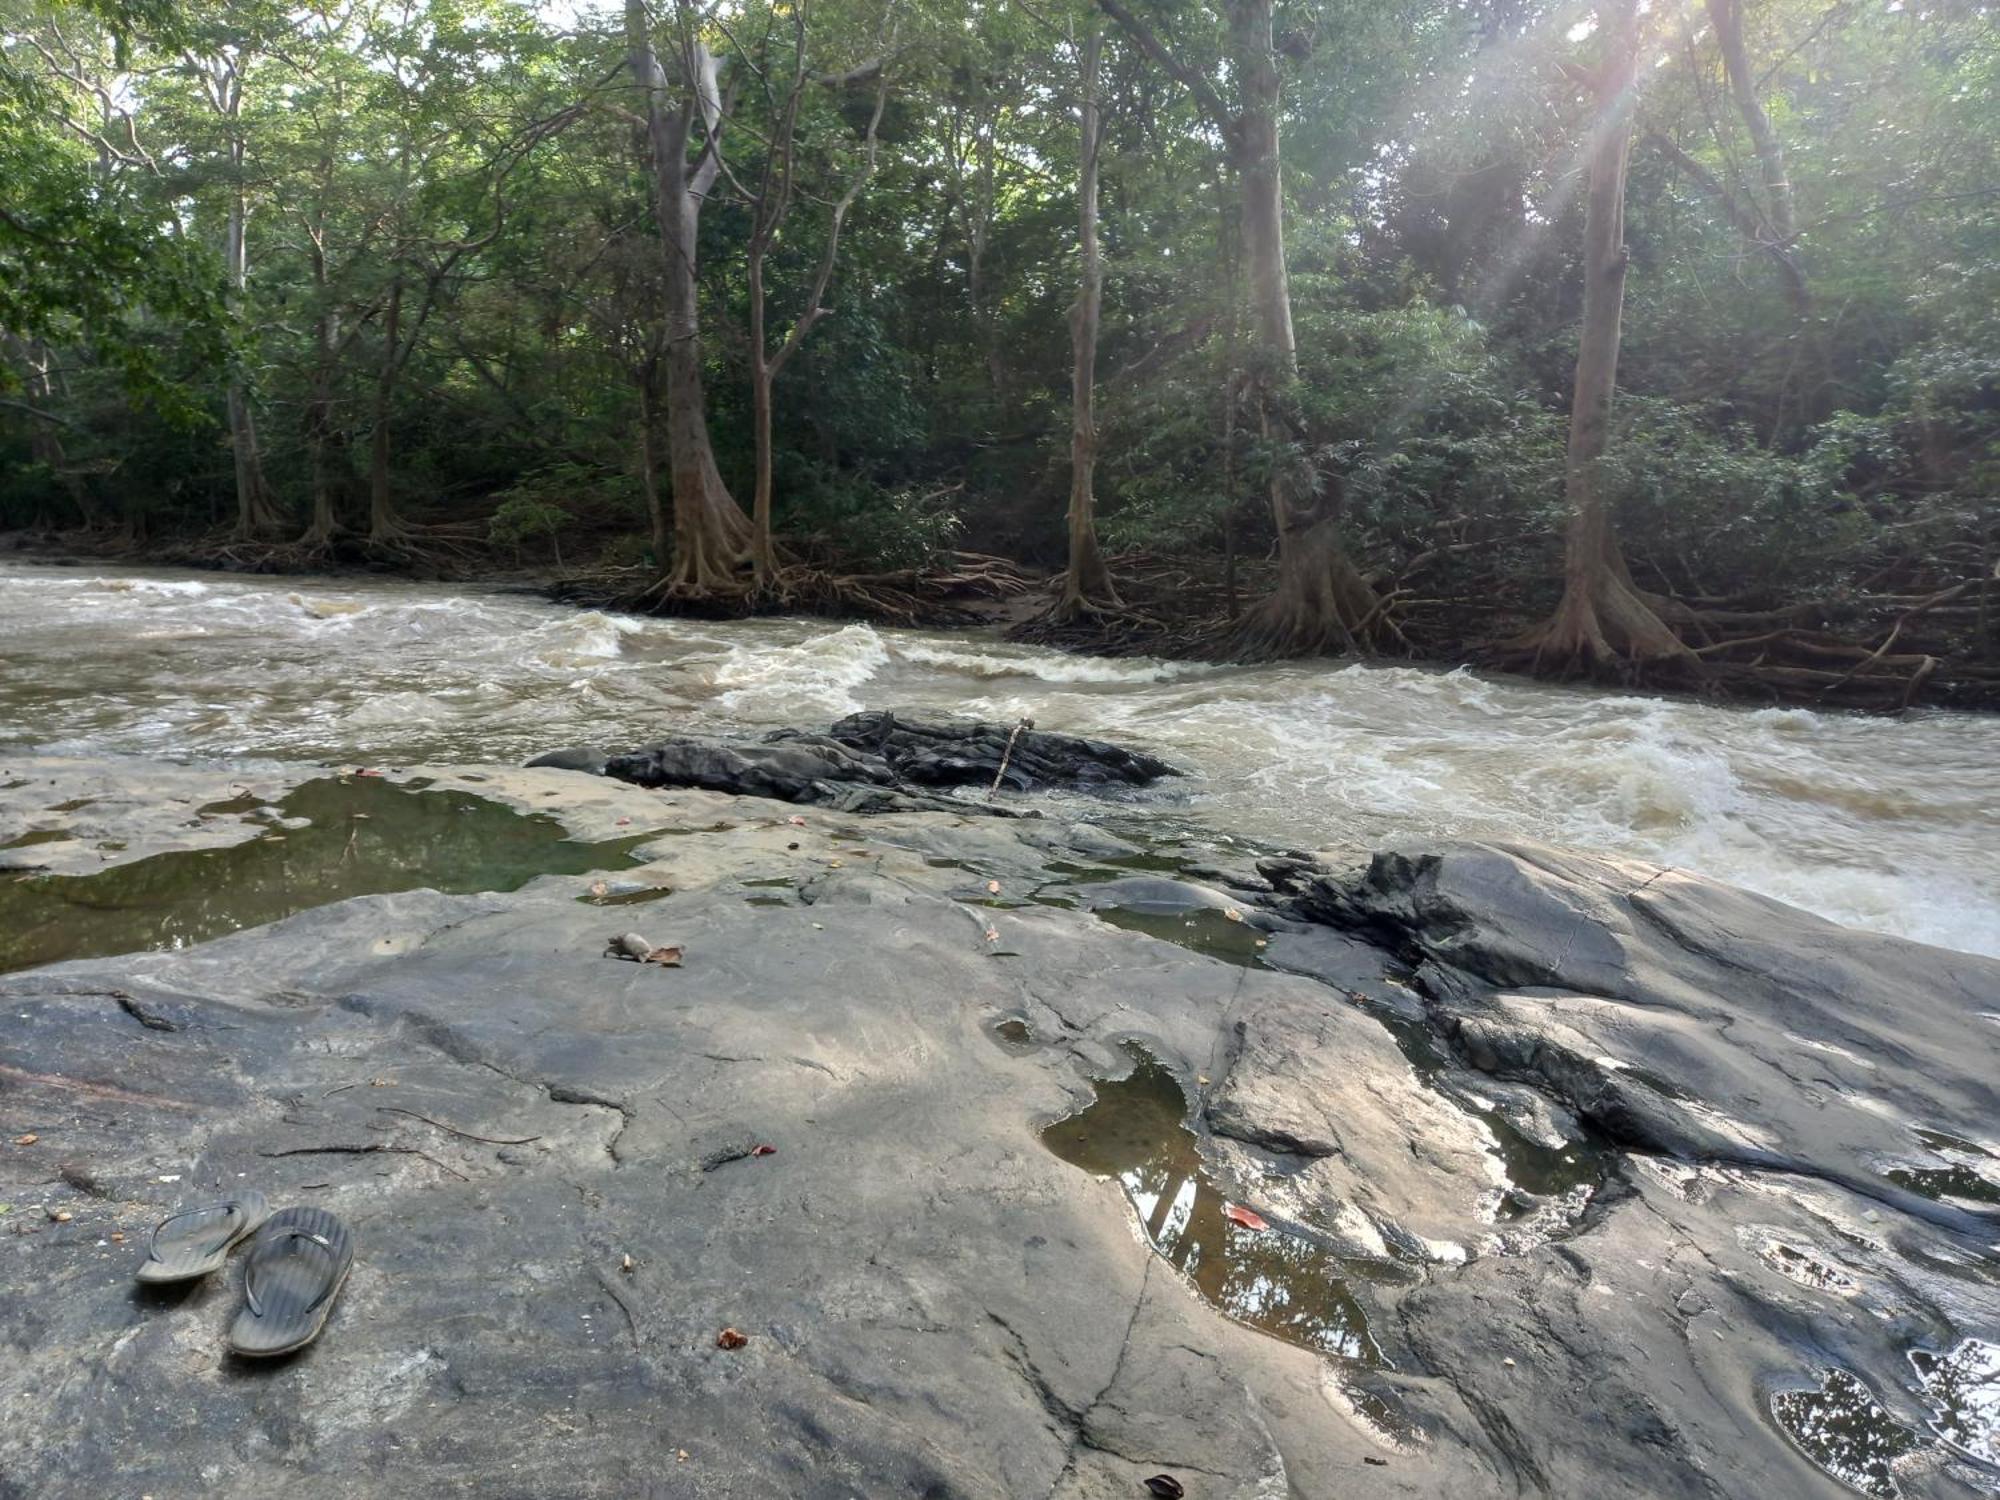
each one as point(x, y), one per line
point(1603, 621)
point(711, 533)
point(255, 513)
point(1728, 18)
point(763, 551)
point(1321, 602)
point(319, 418)
point(384, 525)
point(1086, 582)
point(649, 466)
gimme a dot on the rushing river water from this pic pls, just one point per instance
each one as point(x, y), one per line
point(1886, 824)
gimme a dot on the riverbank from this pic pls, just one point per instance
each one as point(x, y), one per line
point(1365, 1215)
point(1766, 652)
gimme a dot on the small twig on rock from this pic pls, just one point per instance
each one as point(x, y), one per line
point(1007, 755)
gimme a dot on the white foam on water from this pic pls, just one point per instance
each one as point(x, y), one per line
point(1043, 666)
point(815, 676)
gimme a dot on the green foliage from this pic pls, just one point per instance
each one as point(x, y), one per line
point(521, 517)
point(876, 529)
point(473, 164)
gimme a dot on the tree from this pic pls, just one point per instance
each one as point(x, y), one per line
point(221, 70)
point(712, 536)
point(1086, 581)
point(1603, 621)
point(771, 206)
point(1321, 601)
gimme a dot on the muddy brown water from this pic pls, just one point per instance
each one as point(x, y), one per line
point(1888, 824)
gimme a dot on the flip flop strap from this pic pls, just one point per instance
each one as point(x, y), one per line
point(282, 1244)
point(232, 1207)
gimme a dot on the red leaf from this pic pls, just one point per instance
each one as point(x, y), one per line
point(1236, 1213)
point(763, 1150)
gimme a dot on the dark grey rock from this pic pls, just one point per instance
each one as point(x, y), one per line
point(947, 752)
point(586, 758)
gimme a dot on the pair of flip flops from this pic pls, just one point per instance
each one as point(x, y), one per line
point(297, 1264)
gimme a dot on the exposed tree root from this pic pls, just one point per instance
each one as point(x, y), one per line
point(1322, 606)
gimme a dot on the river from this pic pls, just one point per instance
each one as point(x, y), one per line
point(1892, 825)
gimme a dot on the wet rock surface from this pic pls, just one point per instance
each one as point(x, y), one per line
point(947, 752)
point(1604, 1155)
point(876, 762)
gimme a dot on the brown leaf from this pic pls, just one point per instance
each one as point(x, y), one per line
point(1232, 914)
point(667, 958)
point(365, 771)
point(729, 1338)
point(993, 887)
point(1165, 1487)
point(796, 821)
point(992, 934)
point(763, 1150)
point(599, 888)
point(26, 1140)
point(1236, 1213)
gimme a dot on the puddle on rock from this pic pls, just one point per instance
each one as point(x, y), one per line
point(1846, 1431)
point(39, 836)
point(366, 837)
point(1969, 1172)
point(1807, 1269)
point(1203, 930)
point(1014, 1035)
point(1280, 1283)
point(245, 802)
point(640, 897)
point(1964, 1390)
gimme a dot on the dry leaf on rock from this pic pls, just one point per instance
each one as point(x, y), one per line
point(729, 1338)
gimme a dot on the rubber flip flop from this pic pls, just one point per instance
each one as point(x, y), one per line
point(196, 1241)
point(294, 1271)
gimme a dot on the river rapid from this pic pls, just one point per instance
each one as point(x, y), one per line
point(1891, 825)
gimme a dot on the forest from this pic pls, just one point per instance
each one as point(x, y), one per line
point(1645, 340)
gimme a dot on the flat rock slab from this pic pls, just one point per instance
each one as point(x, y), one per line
point(549, 1161)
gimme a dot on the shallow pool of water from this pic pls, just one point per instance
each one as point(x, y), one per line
point(365, 836)
point(1281, 1283)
